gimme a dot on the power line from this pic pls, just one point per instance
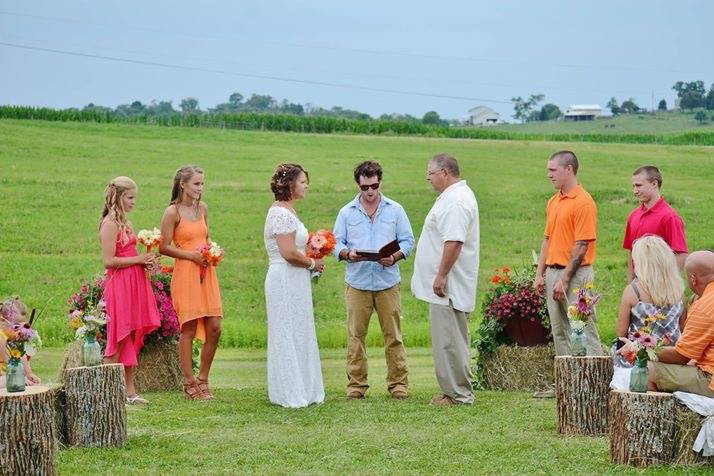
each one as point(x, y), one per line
point(250, 75)
point(377, 52)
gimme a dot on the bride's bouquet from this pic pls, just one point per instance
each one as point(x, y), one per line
point(320, 244)
point(213, 254)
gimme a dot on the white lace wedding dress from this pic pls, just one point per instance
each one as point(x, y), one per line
point(294, 374)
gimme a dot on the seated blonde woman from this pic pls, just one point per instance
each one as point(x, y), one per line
point(657, 289)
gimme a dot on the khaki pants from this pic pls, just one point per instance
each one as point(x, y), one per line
point(684, 378)
point(558, 312)
point(360, 305)
point(451, 346)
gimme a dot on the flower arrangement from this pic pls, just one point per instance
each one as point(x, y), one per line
point(511, 297)
point(641, 345)
point(213, 254)
point(320, 244)
point(580, 311)
point(87, 310)
point(149, 238)
point(169, 329)
point(21, 339)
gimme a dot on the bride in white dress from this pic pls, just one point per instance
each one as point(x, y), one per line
point(294, 374)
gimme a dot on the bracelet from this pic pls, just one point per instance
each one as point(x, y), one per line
point(312, 264)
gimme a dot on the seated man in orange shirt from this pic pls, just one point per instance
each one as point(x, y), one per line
point(671, 372)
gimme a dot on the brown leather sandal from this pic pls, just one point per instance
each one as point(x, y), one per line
point(192, 392)
point(203, 387)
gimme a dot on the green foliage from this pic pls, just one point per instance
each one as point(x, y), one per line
point(614, 107)
point(701, 117)
point(523, 108)
point(338, 125)
point(662, 106)
point(549, 112)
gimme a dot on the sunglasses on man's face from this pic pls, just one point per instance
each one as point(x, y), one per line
point(373, 186)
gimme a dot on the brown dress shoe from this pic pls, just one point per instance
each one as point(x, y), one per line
point(443, 400)
point(355, 395)
point(400, 394)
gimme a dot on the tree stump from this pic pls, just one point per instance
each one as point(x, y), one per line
point(159, 367)
point(28, 440)
point(518, 368)
point(642, 428)
point(95, 412)
point(582, 385)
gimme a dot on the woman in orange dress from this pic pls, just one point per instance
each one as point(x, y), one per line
point(184, 229)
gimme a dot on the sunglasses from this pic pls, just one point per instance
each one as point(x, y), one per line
point(374, 186)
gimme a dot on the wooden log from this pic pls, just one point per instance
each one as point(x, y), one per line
point(58, 404)
point(642, 428)
point(582, 385)
point(159, 367)
point(95, 411)
point(28, 439)
point(517, 368)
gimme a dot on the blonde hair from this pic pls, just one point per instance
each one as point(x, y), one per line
point(657, 271)
point(113, 207)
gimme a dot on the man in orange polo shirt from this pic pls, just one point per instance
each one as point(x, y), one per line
point(568, 250)
point(671, 372)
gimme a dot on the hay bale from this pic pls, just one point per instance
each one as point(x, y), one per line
point(159, 367)
point(687, 426)
point(518, 368)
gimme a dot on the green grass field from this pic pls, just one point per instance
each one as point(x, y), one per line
point(657, 123)
point(241, 432)
point(52, 177)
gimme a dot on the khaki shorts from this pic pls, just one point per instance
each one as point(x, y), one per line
point(685, 378)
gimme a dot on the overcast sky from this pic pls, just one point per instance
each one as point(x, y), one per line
point(374, 56)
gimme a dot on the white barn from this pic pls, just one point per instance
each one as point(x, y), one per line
point(582, 112)
point(483, 116)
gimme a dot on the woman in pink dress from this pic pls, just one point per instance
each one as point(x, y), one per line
point(130, 302)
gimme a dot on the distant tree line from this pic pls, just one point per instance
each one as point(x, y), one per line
point(256, 103)
point(526, 110)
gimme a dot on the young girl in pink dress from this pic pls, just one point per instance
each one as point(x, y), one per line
point(131, 306)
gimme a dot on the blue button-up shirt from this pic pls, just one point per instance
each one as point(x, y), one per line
point(354, 230)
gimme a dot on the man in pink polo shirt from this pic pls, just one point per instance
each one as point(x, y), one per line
point(654, 216)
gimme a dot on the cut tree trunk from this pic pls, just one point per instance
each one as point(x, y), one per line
point(582, 385)
point(28, 437)
point(95, 412)
point(642, 428)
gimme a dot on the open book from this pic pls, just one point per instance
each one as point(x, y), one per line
point(386, 250)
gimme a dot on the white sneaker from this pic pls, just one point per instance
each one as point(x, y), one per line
point(136, 400)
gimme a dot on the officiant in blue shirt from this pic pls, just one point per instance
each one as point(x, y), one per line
point(368, 223)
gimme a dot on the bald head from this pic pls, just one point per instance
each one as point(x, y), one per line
point(700, 270)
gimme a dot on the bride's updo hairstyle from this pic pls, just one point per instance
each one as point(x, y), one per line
point(284, 179)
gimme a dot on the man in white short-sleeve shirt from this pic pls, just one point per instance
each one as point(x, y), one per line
point(445, 276)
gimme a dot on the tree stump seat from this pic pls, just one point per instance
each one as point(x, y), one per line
point(95, 406)
point(652, 428)
point(582, 385)
point(28, 435)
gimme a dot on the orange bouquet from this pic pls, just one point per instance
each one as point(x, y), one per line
point(213, 254)
point(320, 244)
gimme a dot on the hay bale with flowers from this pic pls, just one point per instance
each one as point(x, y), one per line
point(514, 345)
point(159, 368)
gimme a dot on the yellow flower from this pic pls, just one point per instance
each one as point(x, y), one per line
point(3, 367)
point(15, 354)
point(576, 290)
point(589, 286)
point(75, 322)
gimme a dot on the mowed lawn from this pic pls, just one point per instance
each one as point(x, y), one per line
point(241, 432)
point(52, 178)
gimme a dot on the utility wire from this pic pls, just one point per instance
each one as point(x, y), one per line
point(250, 75)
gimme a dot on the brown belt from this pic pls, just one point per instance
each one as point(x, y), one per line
point(555, 266)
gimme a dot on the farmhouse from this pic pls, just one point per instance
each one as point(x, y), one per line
point(482, 116)
point(583, 112)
